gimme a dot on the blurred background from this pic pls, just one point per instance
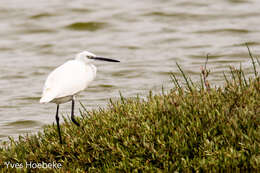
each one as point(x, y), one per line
point(148, 37)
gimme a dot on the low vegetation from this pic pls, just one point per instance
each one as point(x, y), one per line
point(195, 127)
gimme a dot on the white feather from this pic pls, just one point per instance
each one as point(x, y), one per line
point(67, 80)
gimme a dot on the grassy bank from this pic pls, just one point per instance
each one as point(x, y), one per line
point(193, 127)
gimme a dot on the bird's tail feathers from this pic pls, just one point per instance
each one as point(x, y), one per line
point(45, 100)
point(47, 97)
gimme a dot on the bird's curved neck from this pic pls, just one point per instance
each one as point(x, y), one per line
point(80, 58)
point(93, 68)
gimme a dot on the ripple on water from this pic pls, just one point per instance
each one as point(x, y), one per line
point(5, 49)
point(29, 98)
point(131, 47)
point(37, 31)
point(106, 86)
point(215, 56)
point(42, 46)
point(8, 106)
point(2, 136)
point(128, 73)
point(226, 62)
point(23, 123)
point(182, 15)
point(250, 43)
point(86, 26)
point(16, 76)
point(196, 47)
point(223, 31)
point(37, 73)
point(80, 10)
point(41, 15)
point(101, 87)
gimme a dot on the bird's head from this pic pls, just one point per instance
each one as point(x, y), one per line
point(87, 57)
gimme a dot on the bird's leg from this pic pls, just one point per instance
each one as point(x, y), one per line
point(72, 114)
point(57, 120)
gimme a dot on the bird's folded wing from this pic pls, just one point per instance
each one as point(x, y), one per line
point(68, 79)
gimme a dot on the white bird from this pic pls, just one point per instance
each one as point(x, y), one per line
point(68, 80)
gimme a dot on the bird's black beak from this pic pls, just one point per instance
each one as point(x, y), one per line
point(105, 59)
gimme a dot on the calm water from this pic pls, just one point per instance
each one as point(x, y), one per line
point(147, 36)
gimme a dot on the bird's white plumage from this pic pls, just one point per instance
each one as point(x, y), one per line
point(67, 80)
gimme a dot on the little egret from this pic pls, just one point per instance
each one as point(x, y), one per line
point(68, 80)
